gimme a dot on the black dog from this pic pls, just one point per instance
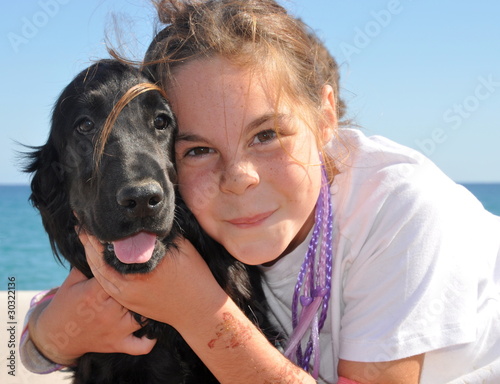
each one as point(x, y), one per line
point(119, 183)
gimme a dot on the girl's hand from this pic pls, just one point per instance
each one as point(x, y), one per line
point(181, 286)
point(83, 318)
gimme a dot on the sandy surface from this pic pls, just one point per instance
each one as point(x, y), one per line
point(10, 332)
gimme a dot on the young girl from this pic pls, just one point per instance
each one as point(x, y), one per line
point(378, 267)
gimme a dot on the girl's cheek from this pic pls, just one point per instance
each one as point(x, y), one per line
point(199, 190)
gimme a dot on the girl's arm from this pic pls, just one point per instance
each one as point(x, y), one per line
point(234, 349)
point(405, 371)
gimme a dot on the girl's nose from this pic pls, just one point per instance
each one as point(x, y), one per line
point(238, 177)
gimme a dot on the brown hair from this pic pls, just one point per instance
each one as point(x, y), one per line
point(126, 98)
point(247, 32)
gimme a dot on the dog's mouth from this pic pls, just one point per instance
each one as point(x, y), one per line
point(137, 253)
point(135, 249)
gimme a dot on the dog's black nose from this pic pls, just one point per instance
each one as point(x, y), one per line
point(142, 199)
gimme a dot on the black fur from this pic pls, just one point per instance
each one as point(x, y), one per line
point(138, 157)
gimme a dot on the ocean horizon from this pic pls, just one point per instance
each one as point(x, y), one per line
point(25, 252)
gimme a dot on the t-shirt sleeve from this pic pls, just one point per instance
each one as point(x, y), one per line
point(409, 284)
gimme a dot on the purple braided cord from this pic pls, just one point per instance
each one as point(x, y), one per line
point(305, 266)
point(327, 267)
point(324, 273)
point(316, 283)
point(305, 275)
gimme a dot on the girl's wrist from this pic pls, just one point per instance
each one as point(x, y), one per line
point(41, 340)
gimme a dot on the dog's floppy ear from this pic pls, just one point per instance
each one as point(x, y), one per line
point(49, 195)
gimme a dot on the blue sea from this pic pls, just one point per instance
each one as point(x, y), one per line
point(25, 253)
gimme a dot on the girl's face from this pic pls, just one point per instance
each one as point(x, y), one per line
point(250, 191)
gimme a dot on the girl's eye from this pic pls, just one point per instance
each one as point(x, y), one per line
point(160, 122)
point(264, 136)
point(199, 151)
point(85, 126)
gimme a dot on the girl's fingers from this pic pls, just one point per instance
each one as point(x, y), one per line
point(93, 249)
point(109, 279)
point(137, 346)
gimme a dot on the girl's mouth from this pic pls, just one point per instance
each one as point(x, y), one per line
point(250, 221)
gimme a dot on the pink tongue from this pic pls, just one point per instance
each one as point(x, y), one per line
point(135, 249)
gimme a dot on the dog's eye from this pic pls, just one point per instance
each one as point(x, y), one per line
point(161, 122)
point(85, 126)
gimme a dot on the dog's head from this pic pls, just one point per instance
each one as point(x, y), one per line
point(108, 167)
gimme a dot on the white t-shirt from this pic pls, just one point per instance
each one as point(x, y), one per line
point(416, 268)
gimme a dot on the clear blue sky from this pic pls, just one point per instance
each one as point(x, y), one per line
point(425, 73)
